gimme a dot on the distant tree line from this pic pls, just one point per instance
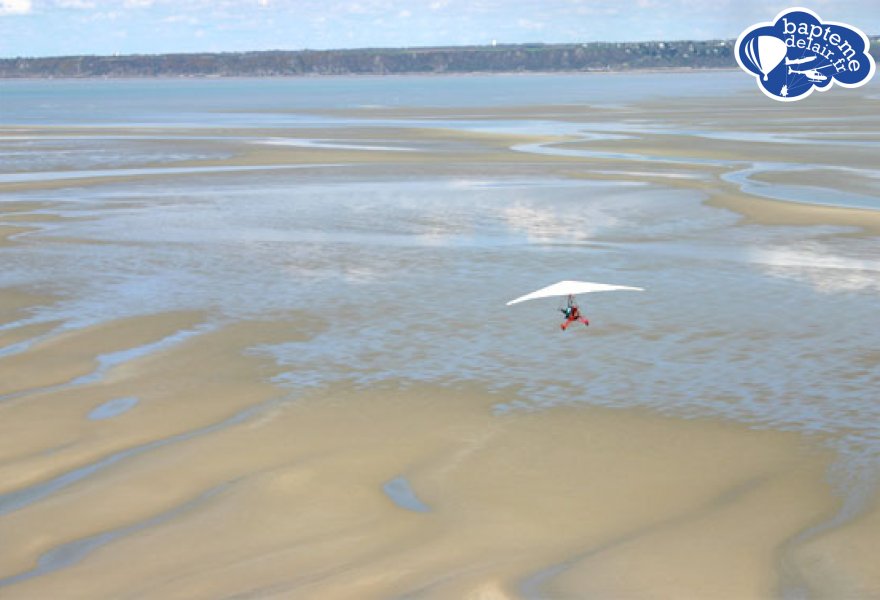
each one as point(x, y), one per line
point(502, 58)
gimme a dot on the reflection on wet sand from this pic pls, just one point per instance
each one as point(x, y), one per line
point(283, 368)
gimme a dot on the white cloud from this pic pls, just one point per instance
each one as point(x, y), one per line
point(404, 14)
point(81, 4)
point(138, 3)
point(15, 7)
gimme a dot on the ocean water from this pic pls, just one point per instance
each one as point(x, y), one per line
point(773, 326)
point(241, 101)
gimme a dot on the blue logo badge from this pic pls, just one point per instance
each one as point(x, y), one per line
point(798, 53)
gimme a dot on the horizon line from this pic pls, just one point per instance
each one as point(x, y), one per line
point(375, 48)
point(871, 38)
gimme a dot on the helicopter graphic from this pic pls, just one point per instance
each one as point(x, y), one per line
point(812, 74)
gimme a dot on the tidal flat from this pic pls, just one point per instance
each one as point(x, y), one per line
point(254, 341)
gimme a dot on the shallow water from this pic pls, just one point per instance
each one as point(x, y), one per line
point(113, 408)
point(410, 268)
point(762, 324)
point(236, 101)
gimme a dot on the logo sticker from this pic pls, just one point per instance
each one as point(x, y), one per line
point(798, 52)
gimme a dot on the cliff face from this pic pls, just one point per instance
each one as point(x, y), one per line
point(467, 59)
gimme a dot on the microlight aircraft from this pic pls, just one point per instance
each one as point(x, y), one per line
point(571, 311)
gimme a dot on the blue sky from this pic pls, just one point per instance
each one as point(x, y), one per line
point(63, 27)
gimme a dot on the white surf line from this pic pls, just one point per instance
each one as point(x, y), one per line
point(11, 502)
point(99, 173)
point(70, 553)
point(114, 359)
point(331, 144)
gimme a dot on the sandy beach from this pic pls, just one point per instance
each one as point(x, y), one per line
point(287, 497)
point(276, 362)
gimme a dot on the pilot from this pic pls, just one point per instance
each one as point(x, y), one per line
point(572, 313)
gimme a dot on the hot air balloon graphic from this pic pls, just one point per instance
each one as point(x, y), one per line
point(765, 52)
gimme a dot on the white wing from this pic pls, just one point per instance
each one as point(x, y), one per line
point(565, 288)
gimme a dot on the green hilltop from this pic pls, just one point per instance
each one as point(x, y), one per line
point(501, 58)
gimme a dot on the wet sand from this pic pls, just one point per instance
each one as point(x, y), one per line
point(286, 498)
point(217, 479)
point(690, 144)
point(840, 563)
point(7, 232)
point(218, 483)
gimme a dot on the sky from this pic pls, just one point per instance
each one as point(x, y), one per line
point(71, 27)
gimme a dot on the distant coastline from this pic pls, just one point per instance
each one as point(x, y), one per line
point(501, 58)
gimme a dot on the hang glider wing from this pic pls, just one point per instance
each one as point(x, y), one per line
point(572, 288)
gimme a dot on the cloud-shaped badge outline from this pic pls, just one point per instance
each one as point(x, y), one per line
point(770, 26)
